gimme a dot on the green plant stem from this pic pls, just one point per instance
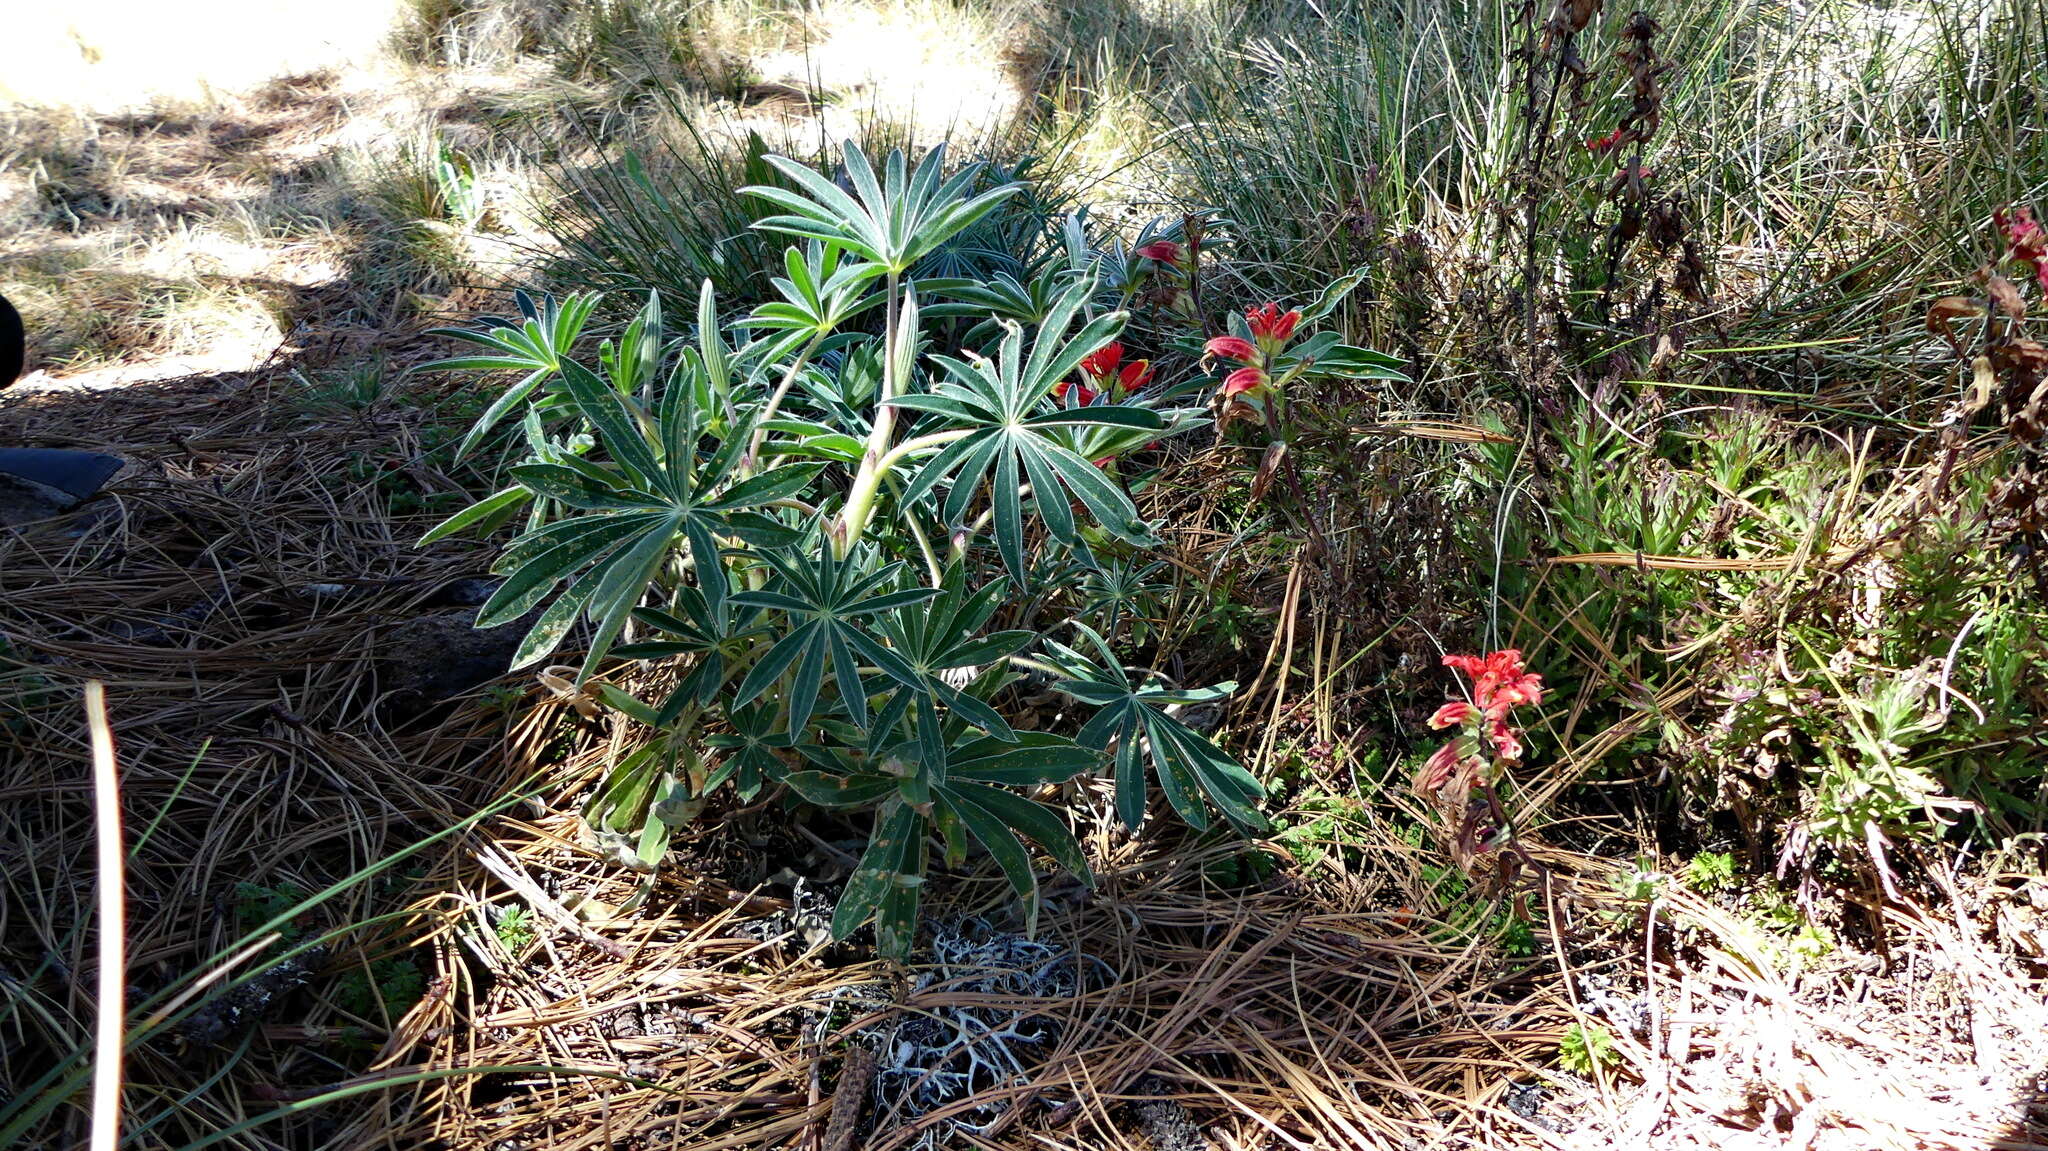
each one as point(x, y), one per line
point(922, 443)
point(924, 544)
point(860, 499)
point(796, 367)
point(1292, 474)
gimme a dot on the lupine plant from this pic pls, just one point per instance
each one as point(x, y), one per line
point(828, 532)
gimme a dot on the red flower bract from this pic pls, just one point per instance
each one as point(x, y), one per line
point(1107, 373)
point(1506, 741)
point(1243, 380)
point(1087, 395)
point(1164, 251)
point(1442, 767)
point(1451, 714)
point(1268, 322)
point(1103, 360)
point(1605, 143)
point(1232, 348)
point(2022, 231)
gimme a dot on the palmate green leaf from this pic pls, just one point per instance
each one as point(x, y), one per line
point(1009, 440)
point(1333, 294)
point(1189, 766)
point(538, 346)
point(885, 883)
point(1027, 817)
point(893, 221)
point(754, 749)
point(1026, 759)
point(1003, 297)
point(821, 292)
point(926, 638)
point(828, 790)
point(480, 512)
point(575, 488)
point(653, 498)
point(704, 623)
point(997, 819)
point(958, 802)
point(824, 601)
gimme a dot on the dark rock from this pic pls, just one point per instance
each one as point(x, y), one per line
point(1525, 1099)
point(464, 593)
point(435, 657)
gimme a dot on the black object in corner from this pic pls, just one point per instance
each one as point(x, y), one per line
point(13, 344)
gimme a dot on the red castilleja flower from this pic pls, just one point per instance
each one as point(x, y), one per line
point(1232, 348)
point(1164, 251)
point(1499, 682)
point(1506, 740)
point(1105, 375)
point(1268, 322)
point(1605, 143)
point(1499, 685)
point(2027, 240)
point(1241, 381)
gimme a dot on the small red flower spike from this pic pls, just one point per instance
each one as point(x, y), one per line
point(1268, 322)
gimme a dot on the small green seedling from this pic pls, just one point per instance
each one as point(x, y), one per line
point(1582, 1048)
point(1709, 872)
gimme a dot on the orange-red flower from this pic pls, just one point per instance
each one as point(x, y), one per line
point(1232, 348)
point(1499, 682)
point(1107, 373)
point(1241, 381)
point(1164, 251)
point(1605, 143)
point(1268, 322)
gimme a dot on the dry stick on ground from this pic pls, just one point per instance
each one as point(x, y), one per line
point(113, 975)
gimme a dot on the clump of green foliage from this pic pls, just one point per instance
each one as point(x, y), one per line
point(837, 535)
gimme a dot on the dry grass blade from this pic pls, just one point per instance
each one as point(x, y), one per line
point(1677, 563)
point(1446, 431)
